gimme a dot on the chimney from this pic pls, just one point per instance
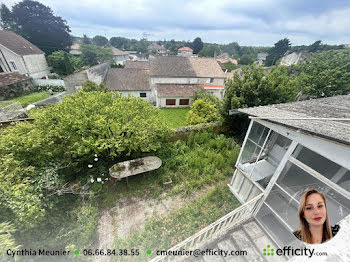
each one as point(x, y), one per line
point(215, 55)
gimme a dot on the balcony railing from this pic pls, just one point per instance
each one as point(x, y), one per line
point(233, 218)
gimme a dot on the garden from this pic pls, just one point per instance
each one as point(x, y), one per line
point(55, 184)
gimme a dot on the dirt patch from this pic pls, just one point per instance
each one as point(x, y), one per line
point(131, 214)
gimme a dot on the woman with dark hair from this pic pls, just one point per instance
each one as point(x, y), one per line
point(315, 227)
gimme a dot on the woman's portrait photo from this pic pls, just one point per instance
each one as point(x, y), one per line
point(315, 226)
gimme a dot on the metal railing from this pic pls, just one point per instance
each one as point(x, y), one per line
point(233, 218)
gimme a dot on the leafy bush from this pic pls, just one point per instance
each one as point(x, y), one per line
point(202, 112)
point(64, 63)
point(90, 86)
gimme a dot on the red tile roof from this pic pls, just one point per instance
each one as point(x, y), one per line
point(12, 78)
point(185, 48)
point(18, 44)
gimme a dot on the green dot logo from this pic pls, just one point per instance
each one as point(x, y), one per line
point(268, 251)
point(149, 252)
point(77, 252)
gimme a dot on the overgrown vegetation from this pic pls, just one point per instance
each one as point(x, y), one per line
point(188, 165)
point(40, 160)
point(163, 232)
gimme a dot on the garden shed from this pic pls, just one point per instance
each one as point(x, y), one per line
point(288, 149)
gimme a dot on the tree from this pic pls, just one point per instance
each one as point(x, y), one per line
point(276, 52)
point(246, 60)
point(326, 74)
point(64, 63)
point(6, 21)
point(197, 45)
point(100, 40)
point(37, 23)
point(119, 42)
point(209, 50)
point(92, 54)
point(202, 112)
point(315, 46)
point(67, 64)
point(254, 87)
point(86, 40)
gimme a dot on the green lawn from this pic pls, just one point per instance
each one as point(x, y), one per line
point(27, 99)
point(175, 117)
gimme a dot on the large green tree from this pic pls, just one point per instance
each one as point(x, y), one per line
point(254, 87)
point(119, 42)
point(197, 45)
point(100, 40)
point(64, 63)
point(209, 50)
point(93, 54)
point(276, 52)
point(38, 24)
point(326, 74)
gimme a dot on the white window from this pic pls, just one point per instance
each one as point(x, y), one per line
point(13, 65)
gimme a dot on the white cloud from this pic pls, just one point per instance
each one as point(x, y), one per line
point(249, 22)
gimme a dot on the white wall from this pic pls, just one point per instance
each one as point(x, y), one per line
point(137, 94)
point(162, 101)
point(36, 65)
point(10, 56)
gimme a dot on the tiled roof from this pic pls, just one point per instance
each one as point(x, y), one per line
point(177, 66)
point(127, 79)
point(11, 78)
point(185, 48)
point(330, 107)
point(144, 65)
point(18, 44)
point(117, 51)
point(177, 90)
point(155, 46)
point(224, 56)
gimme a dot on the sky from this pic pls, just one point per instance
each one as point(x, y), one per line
point(248, 22)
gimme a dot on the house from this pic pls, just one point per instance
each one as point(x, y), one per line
point(294, 58)
point(168, 81)
point(19, 55)
point(186, 71)
point(75, 49)
point(185, 51)
point(179, 95)
point(135, 56)
point(225, 58)
point(129, 81)
point(155, 48)
point(13, 83)
point(288, 149)
point(120, 57)
point(260, 59)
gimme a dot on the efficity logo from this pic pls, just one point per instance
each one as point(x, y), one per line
point(288, 251)
point(268, 251)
